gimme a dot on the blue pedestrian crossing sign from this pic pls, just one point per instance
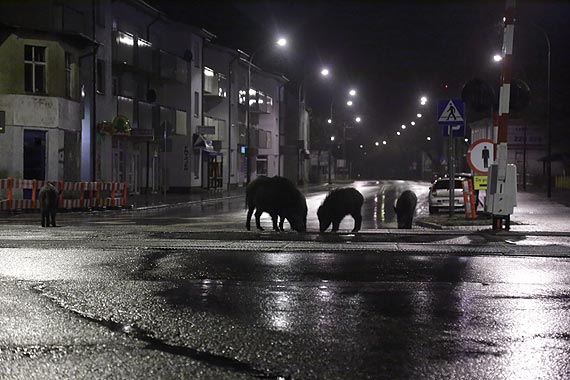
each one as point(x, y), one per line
point(453, 130)
point(450, 112)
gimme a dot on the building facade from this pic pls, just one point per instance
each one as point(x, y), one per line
point(116, 91)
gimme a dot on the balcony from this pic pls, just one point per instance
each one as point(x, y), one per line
point(214, 129)
point(258, 101)
point(215, 84)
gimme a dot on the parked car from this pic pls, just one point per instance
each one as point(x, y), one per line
point(438, 198)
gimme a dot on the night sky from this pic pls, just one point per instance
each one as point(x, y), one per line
point(393, 52)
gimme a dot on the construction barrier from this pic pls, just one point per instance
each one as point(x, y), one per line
point(72, 195)
point(469, 199)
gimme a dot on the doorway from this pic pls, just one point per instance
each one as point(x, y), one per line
point(34, 154)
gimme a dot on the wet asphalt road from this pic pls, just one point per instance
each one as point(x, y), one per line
point(168, 294)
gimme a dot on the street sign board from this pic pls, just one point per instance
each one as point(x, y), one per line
point(480, 182)
point(454, 130)
point(450, 112)
point(480, 156)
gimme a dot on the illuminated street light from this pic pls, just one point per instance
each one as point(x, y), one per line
point(358, 119)
point(413, 123)
point(332, 138)
point(423, 100)
point(403, 126)
point(419, 115)
point(325, 72)
point(352, 92)
point(349, 103)
point(497, 58)
point(282, 41)
point(384, 142)
point(361, 146)
point(428, 138)
point(329, 121)
point(398, 133)
point(377, 143)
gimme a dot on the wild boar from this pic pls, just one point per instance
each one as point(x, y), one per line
point(48, 204)
point(337, 205)
point(279, 197)
point(405, 208)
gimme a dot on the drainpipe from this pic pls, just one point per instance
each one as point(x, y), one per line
point(94, 99)
point(148, 142)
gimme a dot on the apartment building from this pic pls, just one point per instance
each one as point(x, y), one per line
point(117, 91)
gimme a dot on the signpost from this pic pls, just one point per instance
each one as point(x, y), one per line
point(451, 115)
point(480, 156)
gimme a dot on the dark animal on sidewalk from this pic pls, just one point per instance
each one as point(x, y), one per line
point(337, 205)
point(279, 197)
point(405, 208)
point(48, 198)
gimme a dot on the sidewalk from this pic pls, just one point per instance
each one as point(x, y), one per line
point(535, 212)
point(144, 201)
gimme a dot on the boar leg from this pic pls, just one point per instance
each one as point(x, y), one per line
point(257, 221)
point(248, 221)
point(274, 220)
point(357, 222)
point(336, 225)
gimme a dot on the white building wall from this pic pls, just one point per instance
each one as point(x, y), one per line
point(50, 114)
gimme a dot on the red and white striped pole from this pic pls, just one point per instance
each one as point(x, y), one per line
point(502, 196)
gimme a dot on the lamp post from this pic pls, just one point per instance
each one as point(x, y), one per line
point(280, 42)
point(330, 158)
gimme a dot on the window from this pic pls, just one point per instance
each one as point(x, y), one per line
point(35, 69)
point(100, 76)
point(68, 82)
point(261, 165)
point(196, 104)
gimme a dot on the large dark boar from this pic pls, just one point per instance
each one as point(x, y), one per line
point(279, 197)
point(48, 204)
point(405, 208)
point(337, 205)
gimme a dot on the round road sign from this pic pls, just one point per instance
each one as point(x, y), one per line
point(480, 156)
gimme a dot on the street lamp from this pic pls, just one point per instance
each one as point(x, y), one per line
point(423, 100)
point(413, 123)
point(330, 159)
point(419, 115)
point(349, 103)
point(325, 72)
point(352, 92)
point(281, 42)
point(403, 126)
point(497, 58)
point(548, 123)
point(358, 119)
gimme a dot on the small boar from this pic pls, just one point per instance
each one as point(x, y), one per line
point(280, 198)
point(48, 204)
point(405, 208)
point(337, 205)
